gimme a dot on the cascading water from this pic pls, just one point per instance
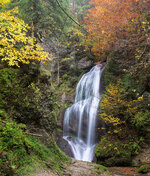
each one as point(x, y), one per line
point(80, 118)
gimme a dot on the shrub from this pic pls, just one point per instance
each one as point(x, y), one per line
point(112, 151)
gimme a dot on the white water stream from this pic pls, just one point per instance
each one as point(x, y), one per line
point(80, 118)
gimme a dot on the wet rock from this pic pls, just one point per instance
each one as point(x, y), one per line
point(65, 147)
point(94, 159)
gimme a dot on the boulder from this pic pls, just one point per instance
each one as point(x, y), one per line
point(143, 157)
point(84, 63)
point(65, 147)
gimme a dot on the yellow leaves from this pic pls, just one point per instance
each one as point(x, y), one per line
point(16, 46)
point(116, 131)
point(4, 2)
point(103, 32)
point(140, 98)
point(115, 148)
point(110, 119)
point(114, 109)
point(132, 20)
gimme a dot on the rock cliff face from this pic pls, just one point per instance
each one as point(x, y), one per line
point(132, 148)
point(143, 157)
point(67, 98)
point(84, 63)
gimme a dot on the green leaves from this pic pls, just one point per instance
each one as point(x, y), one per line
point(44, 17)
point(142, 119)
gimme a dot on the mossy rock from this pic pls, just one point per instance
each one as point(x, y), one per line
point(113, 152)
point(115, 161)
point(101, 169)
point(144, 169)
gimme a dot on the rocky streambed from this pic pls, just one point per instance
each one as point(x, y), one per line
point(81, 168)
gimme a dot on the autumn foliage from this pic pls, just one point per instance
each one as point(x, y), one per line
point(115, 110)
point(109, 21)
point(16, 47)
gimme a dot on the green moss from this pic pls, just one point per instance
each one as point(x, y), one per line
point(20, 153)
point(119, 148)
point(112, 151)
point(101, 169)
point(144, 169)
point(24, 93)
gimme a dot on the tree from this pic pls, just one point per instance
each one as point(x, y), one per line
point(3, 2)
point(109, 21)
point(45, 18)
point(80, 8)
point(15, 46)
point(115, 109)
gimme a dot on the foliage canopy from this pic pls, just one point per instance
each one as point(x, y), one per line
point(16, 46)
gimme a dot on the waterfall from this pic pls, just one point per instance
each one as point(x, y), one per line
point(80, 119)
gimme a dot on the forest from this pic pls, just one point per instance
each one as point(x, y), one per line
point(63, 63)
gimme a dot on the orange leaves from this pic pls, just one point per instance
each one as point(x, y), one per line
point(108, 20)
